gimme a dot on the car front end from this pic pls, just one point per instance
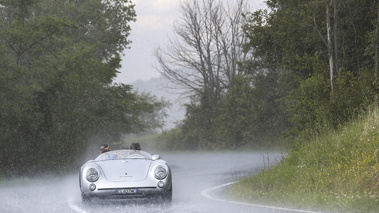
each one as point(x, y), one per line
point(135, 178)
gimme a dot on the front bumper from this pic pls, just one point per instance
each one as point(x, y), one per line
point(108, 190)
point(146, 192)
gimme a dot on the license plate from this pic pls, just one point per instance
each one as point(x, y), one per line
point(126, 191)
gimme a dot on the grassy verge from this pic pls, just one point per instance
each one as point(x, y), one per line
point(335, 172)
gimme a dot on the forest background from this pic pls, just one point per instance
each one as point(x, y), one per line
point(305, 68)
point(296, 70)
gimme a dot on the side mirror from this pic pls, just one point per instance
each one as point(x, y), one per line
point(155, 157)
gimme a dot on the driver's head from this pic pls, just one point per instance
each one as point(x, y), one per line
point(104, 148)
point(135, 146)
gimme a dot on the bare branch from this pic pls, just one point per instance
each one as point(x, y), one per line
point(203, 56)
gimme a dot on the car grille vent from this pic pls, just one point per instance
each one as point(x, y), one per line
point(139, 188)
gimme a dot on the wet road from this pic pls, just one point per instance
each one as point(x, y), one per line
point(198, 181)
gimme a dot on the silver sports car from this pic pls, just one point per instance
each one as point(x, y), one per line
point(124, 174)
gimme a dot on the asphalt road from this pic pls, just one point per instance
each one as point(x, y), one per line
point(198, 181)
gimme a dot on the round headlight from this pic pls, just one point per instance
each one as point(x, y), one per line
point(92, 175)
point(160, 172)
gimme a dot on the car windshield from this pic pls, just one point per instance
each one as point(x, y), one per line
point(123, 154)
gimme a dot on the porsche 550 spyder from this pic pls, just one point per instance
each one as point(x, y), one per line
point(124, 174)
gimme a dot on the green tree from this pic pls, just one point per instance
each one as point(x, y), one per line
point(153, 114)
point(56, 94)
point(300, 51)
point(252, 112)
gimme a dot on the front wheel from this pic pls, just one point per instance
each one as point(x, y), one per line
point(167, 196)
point(85, 198)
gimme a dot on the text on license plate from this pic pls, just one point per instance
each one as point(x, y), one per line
point(126, 191)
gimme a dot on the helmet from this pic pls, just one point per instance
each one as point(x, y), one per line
point(104, 148)
point(135, 146)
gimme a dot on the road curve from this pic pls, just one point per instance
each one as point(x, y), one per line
point(207, 194)
point(197, 178)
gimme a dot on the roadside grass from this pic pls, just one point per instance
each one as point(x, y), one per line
point(335, 172)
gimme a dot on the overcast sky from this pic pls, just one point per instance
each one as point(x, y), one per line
point(154, 25)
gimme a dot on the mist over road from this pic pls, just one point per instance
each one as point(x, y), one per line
point(195, 175)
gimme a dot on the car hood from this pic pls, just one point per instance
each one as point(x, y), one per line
point(125, 169)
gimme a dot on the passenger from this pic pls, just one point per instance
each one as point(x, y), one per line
point(104, 148)
point(135, 146)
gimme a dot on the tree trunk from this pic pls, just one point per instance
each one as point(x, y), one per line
point(330, 48)
point(335, 7)
point(376, 44)
point(376, 54)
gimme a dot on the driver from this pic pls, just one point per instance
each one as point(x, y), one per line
point(104, 148)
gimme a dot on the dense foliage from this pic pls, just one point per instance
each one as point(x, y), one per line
point(308, 66)
point(337, 172)
point(58, 59)
point(301, 56)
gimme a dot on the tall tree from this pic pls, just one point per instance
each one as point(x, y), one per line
point(330, 44)
point(202, 58)
point(376, 52)
point(307, 53)
point(58, 59)
point(335, 24)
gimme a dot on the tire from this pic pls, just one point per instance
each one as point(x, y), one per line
point(85, 198)
point(167, 196)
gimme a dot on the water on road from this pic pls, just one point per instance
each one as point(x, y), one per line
point(198, 180)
